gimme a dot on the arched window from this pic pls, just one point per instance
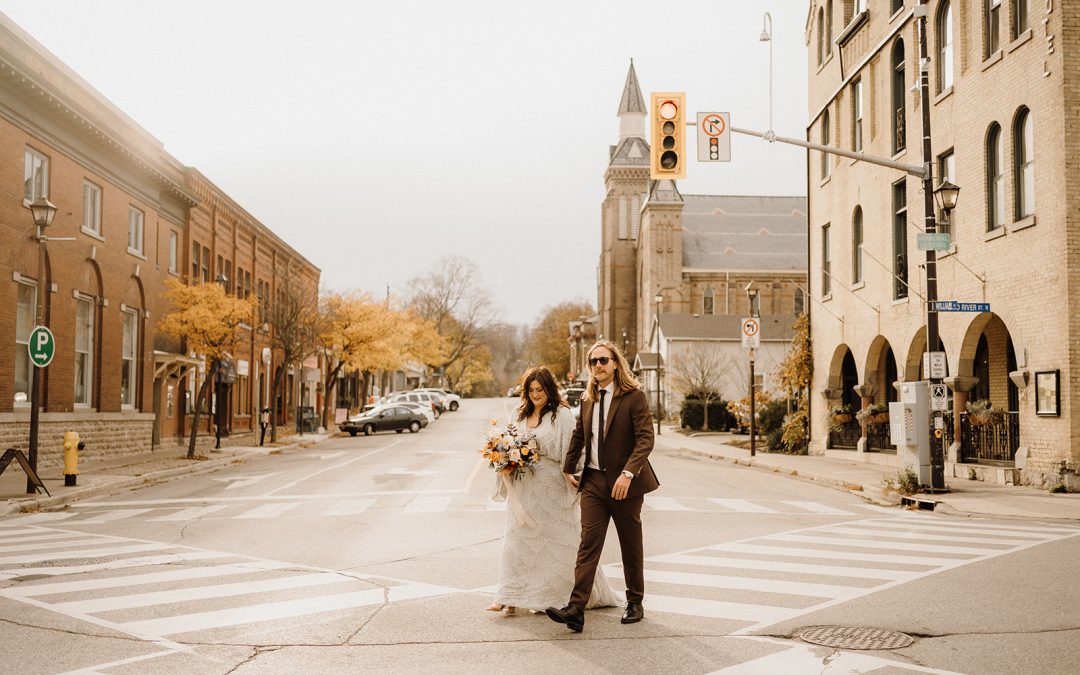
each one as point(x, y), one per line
point(826, 163)
point(820, 37)
point(856, 246)
point(995, 179)
point(1024, 164)
point(828, 28)
point(944, 47)
point(707, 302)
point(899, 89)
point(800, 301)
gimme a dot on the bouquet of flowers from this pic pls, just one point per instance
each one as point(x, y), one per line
point(509, 451)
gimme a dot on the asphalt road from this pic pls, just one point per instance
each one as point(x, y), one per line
point(379, 554)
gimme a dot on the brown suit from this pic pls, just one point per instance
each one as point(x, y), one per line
point(628, 440)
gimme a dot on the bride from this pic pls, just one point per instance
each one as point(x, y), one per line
point(538, 557)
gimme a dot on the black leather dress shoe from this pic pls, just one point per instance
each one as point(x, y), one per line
point(573, 617)
point(633, 613)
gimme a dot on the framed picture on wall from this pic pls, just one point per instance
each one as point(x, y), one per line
point(1047, 400)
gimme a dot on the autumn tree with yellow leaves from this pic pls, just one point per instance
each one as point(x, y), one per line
point(547, 344)
point(209, 321)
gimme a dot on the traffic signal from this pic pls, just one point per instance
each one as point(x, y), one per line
point(667, 158)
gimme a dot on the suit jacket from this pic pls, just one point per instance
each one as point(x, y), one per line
point(628, 440)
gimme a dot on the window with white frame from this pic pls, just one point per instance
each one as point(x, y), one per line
point(991, 27)
point(1024, 169)
point(84, 350)
point(135, 230)
point(857, 115)
point(1019, 17)
point(944, 47)
point(25, 310)
point(174, 252)
point(128, 361)
point(995, 179)
point(860, 6)
point(91, 200)
point(35, 176)
point(856, 245)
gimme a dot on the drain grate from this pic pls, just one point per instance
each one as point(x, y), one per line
point(855, 637)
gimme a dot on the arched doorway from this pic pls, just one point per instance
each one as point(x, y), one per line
point(844, 401)
point(989, 427)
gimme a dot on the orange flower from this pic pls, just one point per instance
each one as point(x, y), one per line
point(494, 423)
point(496, 457)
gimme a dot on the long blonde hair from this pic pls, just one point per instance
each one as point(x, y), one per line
point(624, 379)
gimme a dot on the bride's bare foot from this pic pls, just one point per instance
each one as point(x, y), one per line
point(496, 607)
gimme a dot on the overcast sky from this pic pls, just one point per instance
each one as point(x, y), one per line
point(376, 137)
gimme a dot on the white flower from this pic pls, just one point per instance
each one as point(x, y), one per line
point(515, 455)
point(493, 432)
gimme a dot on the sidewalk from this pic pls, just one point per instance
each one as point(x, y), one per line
point(965, 497)
point(108, 475)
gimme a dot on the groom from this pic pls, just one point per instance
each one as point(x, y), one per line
point(615, 431)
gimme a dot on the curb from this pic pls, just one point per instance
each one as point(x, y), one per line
point(36, 503)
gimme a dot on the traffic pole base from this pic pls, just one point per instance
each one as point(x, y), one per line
point(69, 479)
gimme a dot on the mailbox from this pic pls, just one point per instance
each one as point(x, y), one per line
point(909, 428)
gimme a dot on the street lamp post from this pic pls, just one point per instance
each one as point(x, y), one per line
point(766, 36)
point(219, 378)
point(43, 212)
point(656, 339)
point(751, 295)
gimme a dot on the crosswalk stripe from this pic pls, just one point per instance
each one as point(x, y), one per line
point(982, 528)
point(665, 504)
point(816, 507)
point(131, 601)
point(90, 553)
point(775, 566)
point(39, 536)
point(350, 508)
point(121, 563)
point(186, 623)
point(54, 543)
point(188, 573)
point(191, 513)
point(892, 545)
point(268, 510)
point(741, 505)
point(716, 609)
point(9, 535)
point(748, 584)
point(428, 504)
point(922, 535)
point(832, 555)
point(110, 516)
point(44, 517)
point(960, 529)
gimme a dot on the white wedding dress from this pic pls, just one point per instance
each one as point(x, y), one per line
point(538, 558)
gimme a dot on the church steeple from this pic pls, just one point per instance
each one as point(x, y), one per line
point(631, 108)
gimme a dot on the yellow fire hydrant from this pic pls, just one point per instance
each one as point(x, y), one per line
point(71, 457)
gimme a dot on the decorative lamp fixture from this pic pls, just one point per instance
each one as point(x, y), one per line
point(43, 212)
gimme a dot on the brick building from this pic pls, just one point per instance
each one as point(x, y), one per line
point(1003, 100)
point(136, 217)
point(699, 252)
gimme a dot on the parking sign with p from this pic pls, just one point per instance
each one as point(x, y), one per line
point(42, 346)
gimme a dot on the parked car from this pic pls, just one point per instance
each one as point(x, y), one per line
point(514, 392)
point(453, 401)
point(420, 397)
point(425, 409)
point(384, 418)
point(573, 396)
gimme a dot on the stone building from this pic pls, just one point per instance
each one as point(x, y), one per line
point(135, 217)
point(699, 252)
point(1003, 126)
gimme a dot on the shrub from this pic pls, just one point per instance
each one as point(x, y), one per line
point(775, 440)
point(771, 416)
point(907, 482)
point(692, 413)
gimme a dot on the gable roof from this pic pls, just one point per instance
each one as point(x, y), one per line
point(744, 233)
point(632, 100)
point(774, 327)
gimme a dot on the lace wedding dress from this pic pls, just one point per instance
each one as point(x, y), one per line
point(538, 558)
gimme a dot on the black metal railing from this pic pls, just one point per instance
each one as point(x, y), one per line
point(845, 435)
point(994, 442)
point(878, 438)
point(947, 434)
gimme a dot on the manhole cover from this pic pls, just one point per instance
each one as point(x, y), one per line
point(854, 637)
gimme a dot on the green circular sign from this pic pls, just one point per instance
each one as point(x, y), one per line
point(42, 346)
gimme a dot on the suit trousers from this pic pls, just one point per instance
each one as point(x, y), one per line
point(597, 508)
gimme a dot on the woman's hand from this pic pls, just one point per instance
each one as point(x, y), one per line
point(571, 480)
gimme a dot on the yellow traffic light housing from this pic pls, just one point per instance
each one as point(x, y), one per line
point(667, 156)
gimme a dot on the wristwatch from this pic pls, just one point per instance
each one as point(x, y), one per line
point(628, 474)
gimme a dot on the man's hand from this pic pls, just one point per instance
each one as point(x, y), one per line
point(622, 486)
point(571, 480)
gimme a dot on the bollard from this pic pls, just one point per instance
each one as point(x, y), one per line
point(72, 445)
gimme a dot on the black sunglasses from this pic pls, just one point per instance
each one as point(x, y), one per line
point(602, 360)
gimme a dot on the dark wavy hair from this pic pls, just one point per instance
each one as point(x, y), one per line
point(545, 379)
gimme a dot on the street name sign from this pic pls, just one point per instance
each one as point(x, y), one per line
point(714, 137)
point(933, 241)
point(42, 346)
point(956, 306)
point(751, 333)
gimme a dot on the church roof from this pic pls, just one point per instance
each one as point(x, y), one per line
point(631, 101)
point(631, 151)
point(723, 327)
point(666, 192)
point(744, 233)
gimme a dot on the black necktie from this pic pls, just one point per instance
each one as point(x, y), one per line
point(600, 433)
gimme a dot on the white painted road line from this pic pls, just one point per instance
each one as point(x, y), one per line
point(775, 566)
point(110, 516)
point(428, 504)
point(750, 584)
point(815, 507)
point(122, 563)
point(891, 545)
point(268, 510)
point(716, 609)
point(91, 553)
point(192, 513)
point(184, 574)
point(741, 505)
point(755, 549)
point(350, 508)
point(923, 536)
point(665, 504)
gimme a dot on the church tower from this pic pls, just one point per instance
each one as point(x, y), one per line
point(626, 184)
